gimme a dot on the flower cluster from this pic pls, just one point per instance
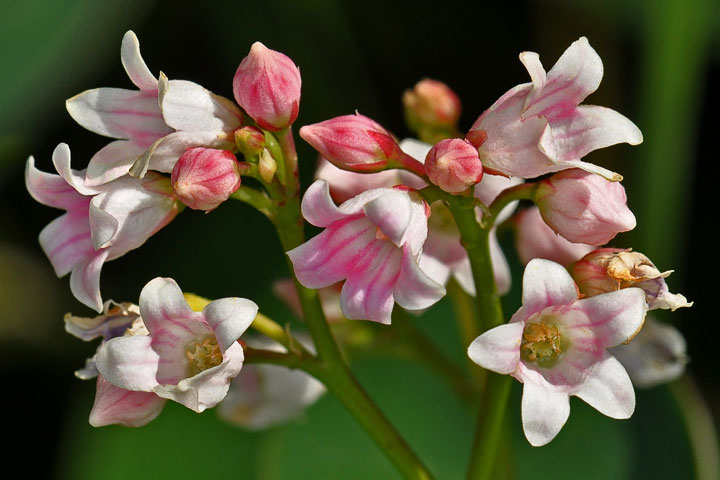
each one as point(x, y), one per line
point(400, 220)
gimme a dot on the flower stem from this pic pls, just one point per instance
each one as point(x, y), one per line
point(524, 191)
point(256, 199)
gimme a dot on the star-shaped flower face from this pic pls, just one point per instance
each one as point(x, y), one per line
point(555, 344)
point(188, 356)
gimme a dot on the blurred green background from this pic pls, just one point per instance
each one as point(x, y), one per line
point(662, 60)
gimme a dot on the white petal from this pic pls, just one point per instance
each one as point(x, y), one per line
point(608, 388)
point(111, 162)
point(162, 301)
point(415, 148)
point(546, 283)
point(85, 280)
point(498, 349)
point(391, 213)
point(318, 207)
point(134, 64)
point(414, 289)
point(129, 362)
point(51, 190)
point(615, 317)
point(66, 242)
point(188, 106)
point(544, 412)
point(229, 318)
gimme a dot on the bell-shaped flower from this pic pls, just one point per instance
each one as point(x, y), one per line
point(358, 143)
point(584, 207)
point(540, 127)
point(453, 165)
point(267, 86)
point(556, 345)
point(658, 354)
point(373, 241)
point(609, 269)
point(101, 224)
point(534, 239)
point(189, 357)
point(132, 116)
point(203, 178)
point(200, 119)
point(262, 395)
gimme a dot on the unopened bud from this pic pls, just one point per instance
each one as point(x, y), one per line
point(267, 86)
point(203, 178)
point(354, 142)
point(431, 104)
point(267, 166)
point(453, 165)
point(584, 207)
point(250, 141)
point(534, 239)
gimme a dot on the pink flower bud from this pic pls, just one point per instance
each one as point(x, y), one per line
point(203, 178)
point(534, 239)
point(250, 141)
point(584, 207)
point(267, 87)
point(432, 103)
point(354, 142)
point(453, 165)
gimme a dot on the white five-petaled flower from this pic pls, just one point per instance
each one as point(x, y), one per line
point(189, 357)
point(373, 240)
point(540, 127)
point(555, 344)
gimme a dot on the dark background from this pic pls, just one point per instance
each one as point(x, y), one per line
point(661, 63)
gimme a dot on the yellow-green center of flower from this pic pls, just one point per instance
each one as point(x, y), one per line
point(542, 343)
point(202, 355)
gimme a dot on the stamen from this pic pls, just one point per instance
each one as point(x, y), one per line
point(202, 355)
point(541, 343)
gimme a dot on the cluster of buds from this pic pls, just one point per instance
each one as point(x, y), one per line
point(383, 242)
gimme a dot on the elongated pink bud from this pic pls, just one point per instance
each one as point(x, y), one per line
point(267, 87)
point(431, 103)
point(453, 165)
point(203, 178)
point(584, 207)
point(356, 143)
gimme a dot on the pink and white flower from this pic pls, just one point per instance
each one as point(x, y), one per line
point(262, 395)
point(374, 241)
point(584, 207)
point(534, 239)
point(556, 345)
point(132, 116)
point(267, 86)
point(540, 127)
point(189, 357)
point(101, 224)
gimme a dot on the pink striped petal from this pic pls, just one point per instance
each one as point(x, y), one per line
point(575, 75)
point(61, 162)
point(134, 64)
point(331, 256)
point(116, 406)
point(616, 316)
point(414, 289)
point(546, 283)
point(85, 280)
point(209, 387)
point(544, 412)
point(498, 349)
point(129, 362)
point(66, 241)
point(112, 162)
point(119, 113)
point(392, 214)
point(52, 190)
point(608, 388)
point(188, 106)
point(368, 292)
point(318, 207)
point(229, 318)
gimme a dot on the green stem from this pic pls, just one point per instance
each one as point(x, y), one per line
point(466, 312)
point(525, 191)
point(256, 199)
point(289, 165)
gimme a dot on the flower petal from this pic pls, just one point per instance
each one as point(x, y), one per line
point(85, 280)
point(188, 106)
point(368, 292)
point(391, 213)
point(66, 241)
point(162, 301)
point(318, 207)
point(134, 64)
point(333, 254)
point(51, 190)
point(119, 113)
point(607, 388)
point(229, 318)
point(615, 317)
point(544, 412)
point(414, 289)
point(498, 349)
point(111, 162)
point(114, 405)
point(546, 283)
point(129, 362)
